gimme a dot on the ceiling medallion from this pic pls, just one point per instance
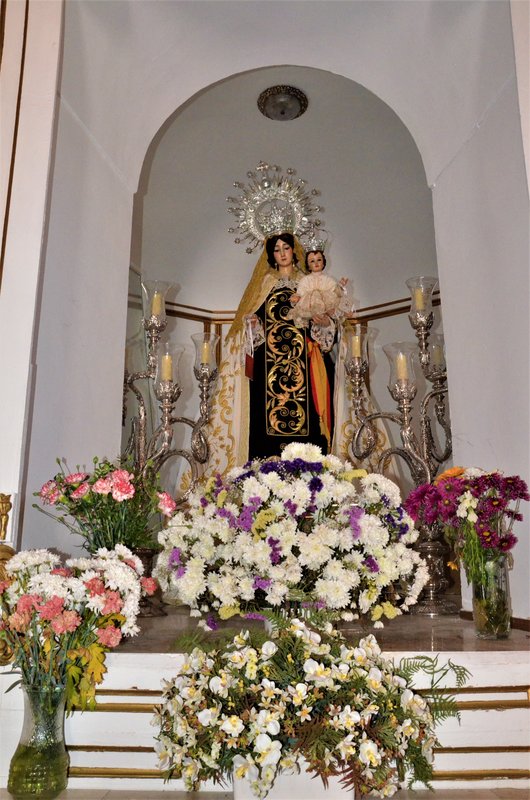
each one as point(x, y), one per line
point(282, 103)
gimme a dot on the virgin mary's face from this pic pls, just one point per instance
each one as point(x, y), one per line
point(283, 254)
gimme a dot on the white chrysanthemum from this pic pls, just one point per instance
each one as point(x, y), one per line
point(334, 464)
point(375, 486)
point(325, 534)
point(374, 534)
point(307, 452)
point(252, 487)
point(33, 560)
point(313, 554)
point(333, 593)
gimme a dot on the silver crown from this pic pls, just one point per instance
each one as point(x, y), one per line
point(272, 203)
point(314, 239)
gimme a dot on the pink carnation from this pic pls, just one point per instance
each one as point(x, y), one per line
point(102, 486)
point(66, 622)
point(113, 603)
point(28, 602)
point(121, 475)
point(109, 636)
point(63, 571)
point(19, 622)
point(4, 585)
point(76, 477)
point(95, 586)
point(149, 585)
point(81, 491)
point(50, 493)
point(122, 489)
point(166, 504)
point(51, 608)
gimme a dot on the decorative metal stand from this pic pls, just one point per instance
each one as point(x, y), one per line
point(421, 455)
point(153, 452)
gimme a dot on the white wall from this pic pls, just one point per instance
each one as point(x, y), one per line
point(447, 69)
point(483, 256)
point(26, 223)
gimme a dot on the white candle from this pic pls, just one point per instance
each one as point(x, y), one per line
point(157, 304)
point(205, 353)
point(418, 299)
point(356, 345)
point(402, 372)
point(166, 368)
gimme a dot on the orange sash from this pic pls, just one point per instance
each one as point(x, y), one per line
point(320, 388)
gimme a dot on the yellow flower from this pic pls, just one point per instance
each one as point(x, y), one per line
point(221, 497)
point(389, 610)
point(263, 518)
point(225, 612)
point(452, 565)
point(452, 472)
point(354, 473)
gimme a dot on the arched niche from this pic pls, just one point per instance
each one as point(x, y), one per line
point(377, 207)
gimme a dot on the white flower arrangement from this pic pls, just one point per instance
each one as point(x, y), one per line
point(254, 710)
point(305, 526)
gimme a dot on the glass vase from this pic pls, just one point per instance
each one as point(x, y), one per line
point(491, 601)
point(39, 766)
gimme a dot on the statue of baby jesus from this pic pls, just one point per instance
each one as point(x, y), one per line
point(319, 296)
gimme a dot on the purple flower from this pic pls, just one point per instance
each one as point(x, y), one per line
point(261, 583)
point(204, 502)
point(291, 507)
point(226, 514)
point(246, 518)
point(354, 515)
point(371, 564)
point(299, 465)
point(315, 485)
point(212, 622)
point(174, 557)
point(253, 615)
point(180, 571)
point(276, 552)
point(271, 466)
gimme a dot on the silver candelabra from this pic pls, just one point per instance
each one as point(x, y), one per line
point(153, 451)
point(420, 453)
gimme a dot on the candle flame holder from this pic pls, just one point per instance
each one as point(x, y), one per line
point(151, 452)
point(419, 452)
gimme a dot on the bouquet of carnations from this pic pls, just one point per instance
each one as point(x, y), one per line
point(109, 506)
point(304, 527)
point(306, 699)
point(477, 510)
point(59, 620)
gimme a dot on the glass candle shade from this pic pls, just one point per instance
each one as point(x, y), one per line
point(400, 358)
point(154, 298)
point(359, 337)
point(421, 289)
point(168, 364)
point(205, 351)
point(436, 350)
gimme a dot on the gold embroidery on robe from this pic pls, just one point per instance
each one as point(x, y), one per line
point(287, 401)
